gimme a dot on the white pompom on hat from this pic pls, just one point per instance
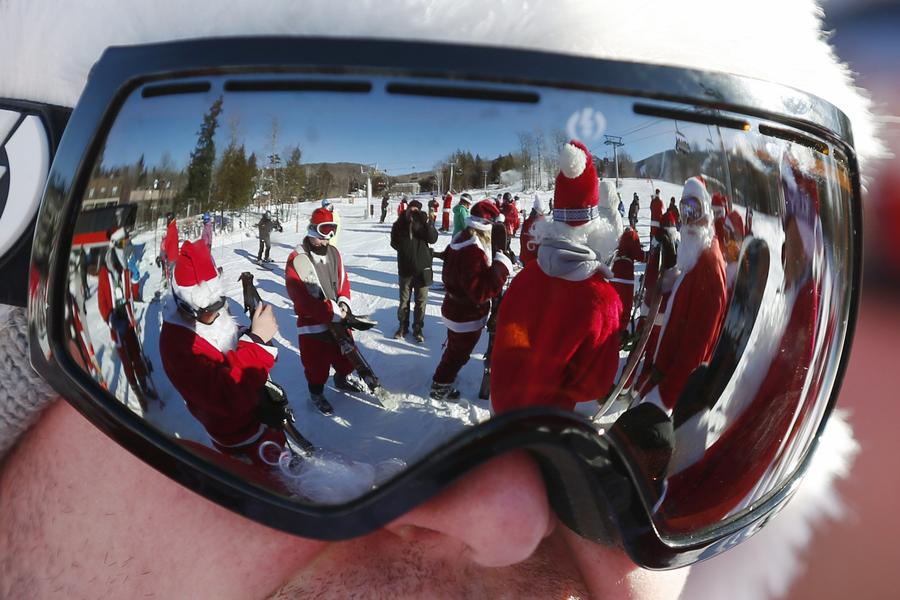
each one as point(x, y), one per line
point(576, 195)
point(196, 280)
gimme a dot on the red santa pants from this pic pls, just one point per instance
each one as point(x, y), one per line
point(456, 354)
point(318, 356)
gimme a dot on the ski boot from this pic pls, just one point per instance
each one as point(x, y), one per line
point(321, 403)
point(417, 335)
point(400, 333)
point(443, 391)
point(348, 383)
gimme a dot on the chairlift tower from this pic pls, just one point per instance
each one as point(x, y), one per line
point(615, 141)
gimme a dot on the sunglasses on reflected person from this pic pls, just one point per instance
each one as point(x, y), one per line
point(691, 453)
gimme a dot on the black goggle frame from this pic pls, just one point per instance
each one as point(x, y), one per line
point(589, 489)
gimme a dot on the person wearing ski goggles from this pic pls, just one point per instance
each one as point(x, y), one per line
point(430, 498)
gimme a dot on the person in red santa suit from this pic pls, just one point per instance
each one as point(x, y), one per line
point(656, 212)
point(168, 248)
point(691, 314)
point(448, 207)
point(475, 270)
point(219, 371)
point(730, 233)
point(569, 353)
point(762, 409)
point(663, 247)
point(628, 252)
point(320, 290)
point(116, 304)
point(527, 247)
point(510, 215)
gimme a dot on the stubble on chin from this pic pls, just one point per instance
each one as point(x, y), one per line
point(390, 567)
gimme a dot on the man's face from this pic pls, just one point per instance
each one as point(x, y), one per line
point(80, 517)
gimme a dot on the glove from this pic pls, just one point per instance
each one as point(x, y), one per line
point(359, 323)
point(271, 409)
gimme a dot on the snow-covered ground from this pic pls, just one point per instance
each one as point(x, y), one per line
point(362, 443)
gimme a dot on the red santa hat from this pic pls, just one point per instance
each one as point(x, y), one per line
point(320, 217)
point(483, 215)
point(196, 280)
point(719, 205)
point(576, 195)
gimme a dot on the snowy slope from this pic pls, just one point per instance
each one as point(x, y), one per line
point(363, 441)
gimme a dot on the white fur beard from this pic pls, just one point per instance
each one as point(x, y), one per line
point(222, 334)
point(694, 240)
point(599, 235)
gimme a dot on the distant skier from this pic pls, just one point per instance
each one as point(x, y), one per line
point(385, 205)
point(448, 206)
point(220, 371)
point(265, 226)
point(527, 247)
point(569, 351)
point(694, 309)
point(461, 213)
point(656, 212)
point(510, 215)
point(434, 207)
point(475, 271)
point(168, 249)
point(411, 235)
point(318, 349)
point(673, 212)
point(633, 210)
point(207, 234)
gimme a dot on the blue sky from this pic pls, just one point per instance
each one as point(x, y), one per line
point(400, 133)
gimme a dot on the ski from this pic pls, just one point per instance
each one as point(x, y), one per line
point(321, 403)
point(484, 392)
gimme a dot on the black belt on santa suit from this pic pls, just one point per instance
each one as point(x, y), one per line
point(466, 300)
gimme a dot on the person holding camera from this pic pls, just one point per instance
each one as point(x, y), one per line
point(411, 235)
point(220, 371)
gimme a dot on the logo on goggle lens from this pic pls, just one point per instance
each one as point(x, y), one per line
point(24, 162)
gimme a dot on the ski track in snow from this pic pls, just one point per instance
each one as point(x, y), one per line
point(362, 443)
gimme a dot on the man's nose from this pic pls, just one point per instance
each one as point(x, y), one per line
point(499, 512)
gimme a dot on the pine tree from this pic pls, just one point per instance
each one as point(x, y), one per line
point(203, 157)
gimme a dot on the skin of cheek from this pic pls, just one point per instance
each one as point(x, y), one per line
point(609, 573)
point(111, 526)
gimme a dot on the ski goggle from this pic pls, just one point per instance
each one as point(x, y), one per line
point(691, 210)
point(325, 231)
point(697, 458)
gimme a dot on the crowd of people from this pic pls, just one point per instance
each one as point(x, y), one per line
point(580, 260)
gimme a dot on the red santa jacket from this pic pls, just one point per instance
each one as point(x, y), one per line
point(313, 312)
point(690, 326)
point(623, 283)
point(737, 461)
point(511, 218)
point(527, 254)
point(169, 246)
point(730, 234)
point(656, 213)
point(401, 208)
point(472, 277)
point(220, 389)
point(556, 356)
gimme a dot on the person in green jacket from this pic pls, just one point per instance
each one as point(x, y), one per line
point(460, 213)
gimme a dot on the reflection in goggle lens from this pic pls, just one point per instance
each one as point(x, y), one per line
point(728, 340)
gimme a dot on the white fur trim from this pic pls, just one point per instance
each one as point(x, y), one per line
point(270, 349)
point(335, 311)
point(465, 326)
point(504, 260)
point(479, 223)
point(307, 329)
point(572, 160)
point(765, 565)
point(205, 293)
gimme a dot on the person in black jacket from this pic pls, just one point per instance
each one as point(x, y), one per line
point(411, 234)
